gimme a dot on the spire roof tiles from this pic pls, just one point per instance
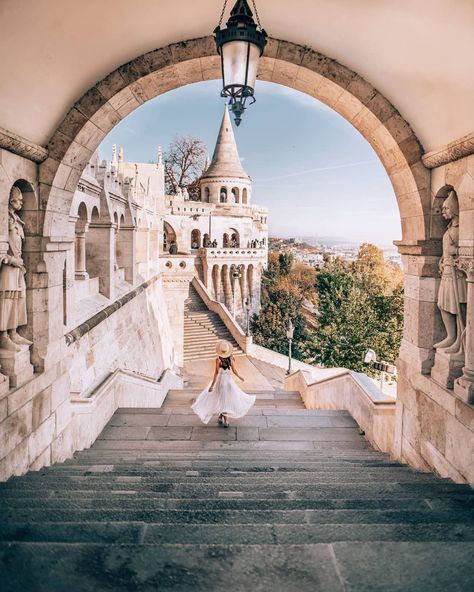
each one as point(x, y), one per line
point(225, 160)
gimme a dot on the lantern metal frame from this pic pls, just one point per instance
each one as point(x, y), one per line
point(240, 27)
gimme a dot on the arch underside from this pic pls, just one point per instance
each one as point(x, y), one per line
point(294, 66)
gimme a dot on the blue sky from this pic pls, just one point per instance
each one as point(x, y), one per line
point(310, 167)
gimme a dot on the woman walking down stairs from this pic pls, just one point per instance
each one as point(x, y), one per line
point(286, 499)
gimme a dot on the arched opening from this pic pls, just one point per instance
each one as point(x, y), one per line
point(29, 210)
point(236, 195)
point(196, 239)
point(223, 195)
point(205, 240)
point(170, 244)
point(225, 240)
point(234, 239)
point(341, 89)
point(18, 264)
point(207, 195)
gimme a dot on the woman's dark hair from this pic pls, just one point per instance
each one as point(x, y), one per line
point(225, 363)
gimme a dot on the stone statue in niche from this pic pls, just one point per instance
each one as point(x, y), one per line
point(12, 280)
point(452, 295)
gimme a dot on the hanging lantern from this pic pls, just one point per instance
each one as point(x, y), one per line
point(240, 46)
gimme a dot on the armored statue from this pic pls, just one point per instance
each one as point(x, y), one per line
point(12, 280)
point(452, 295)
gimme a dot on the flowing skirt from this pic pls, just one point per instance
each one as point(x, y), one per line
point(226, 398)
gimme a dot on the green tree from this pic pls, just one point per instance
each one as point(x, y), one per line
point(360, 307)
point(279, 306)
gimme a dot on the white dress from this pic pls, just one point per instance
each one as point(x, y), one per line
point(226, 398)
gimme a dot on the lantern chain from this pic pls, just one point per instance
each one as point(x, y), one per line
point(222, 13)
point(256, 14)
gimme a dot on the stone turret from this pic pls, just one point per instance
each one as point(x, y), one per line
point(225, 180)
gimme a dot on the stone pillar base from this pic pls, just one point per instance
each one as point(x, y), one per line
point(16, 365)
point(81, 275)
point(464, 389)
point(447, 368)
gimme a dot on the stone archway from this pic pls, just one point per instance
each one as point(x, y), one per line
point(294, 66)
point(149, 75)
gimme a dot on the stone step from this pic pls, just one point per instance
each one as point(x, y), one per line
point(189, 568)
point(188, 394)
point(219, 479)
point(128, 500)
point(245, 534)
point(324, 490)
point(18, 522)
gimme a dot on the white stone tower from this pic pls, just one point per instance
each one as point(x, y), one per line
point(225, 180)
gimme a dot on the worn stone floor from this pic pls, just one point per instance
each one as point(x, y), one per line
point(286, 499)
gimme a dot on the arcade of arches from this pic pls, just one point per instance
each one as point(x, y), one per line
point(70, 246)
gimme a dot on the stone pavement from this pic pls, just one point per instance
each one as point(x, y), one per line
point(286, 499)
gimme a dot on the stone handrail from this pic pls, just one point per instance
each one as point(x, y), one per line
point(245, 343)
point(355, 393)
point(121, 388)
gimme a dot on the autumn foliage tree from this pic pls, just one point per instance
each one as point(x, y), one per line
point(184, 163)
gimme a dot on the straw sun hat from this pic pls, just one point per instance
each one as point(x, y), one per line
point(224, 349)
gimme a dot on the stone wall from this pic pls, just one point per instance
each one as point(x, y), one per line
point(435, 413)
point(37, 426)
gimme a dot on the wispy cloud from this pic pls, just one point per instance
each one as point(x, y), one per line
point(295, 96)
point(130, 130)
point(319, 170)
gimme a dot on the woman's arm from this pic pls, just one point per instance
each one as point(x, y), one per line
point(216, 371)
point(234, 370)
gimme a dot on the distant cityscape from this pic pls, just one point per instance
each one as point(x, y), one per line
point(312, 250)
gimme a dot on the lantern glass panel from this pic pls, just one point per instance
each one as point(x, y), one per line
point(234, 56)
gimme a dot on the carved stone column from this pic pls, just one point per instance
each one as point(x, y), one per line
point(80, 248)
point(464, 386)
point(227, 287)
point(216, 274)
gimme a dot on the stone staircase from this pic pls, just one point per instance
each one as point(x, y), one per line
point(202, 329)
point(285, 500)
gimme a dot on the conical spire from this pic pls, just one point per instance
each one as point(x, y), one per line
point(225, 160)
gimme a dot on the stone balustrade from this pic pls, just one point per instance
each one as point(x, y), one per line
point(237, 253)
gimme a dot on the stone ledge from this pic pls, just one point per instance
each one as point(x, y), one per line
point(21, 146)
point(451, 152)
point(345, 391)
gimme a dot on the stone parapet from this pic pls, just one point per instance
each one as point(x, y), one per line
point(355, 393)
point(233, 253)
